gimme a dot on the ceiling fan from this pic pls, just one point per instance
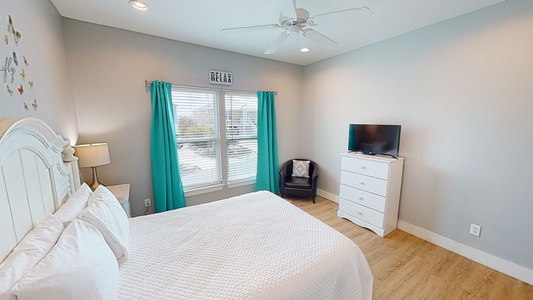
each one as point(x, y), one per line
point(294, 20)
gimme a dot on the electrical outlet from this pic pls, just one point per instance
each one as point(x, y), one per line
point(475, 229)
point(147, 202)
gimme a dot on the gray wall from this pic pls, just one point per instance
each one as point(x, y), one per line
point(463, 92)
point(108, 68)
point(42, 44)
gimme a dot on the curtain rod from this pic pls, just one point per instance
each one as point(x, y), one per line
point(148, 83)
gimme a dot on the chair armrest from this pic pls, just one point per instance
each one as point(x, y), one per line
point(282, 177)
point(314, 177)
point(283, 173)
point(284, 168)
point(315, 171)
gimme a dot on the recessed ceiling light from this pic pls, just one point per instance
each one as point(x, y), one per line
point(305, 49)
point(139, 5)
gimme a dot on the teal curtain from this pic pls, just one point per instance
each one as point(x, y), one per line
point(267, 143)
point(168, 188)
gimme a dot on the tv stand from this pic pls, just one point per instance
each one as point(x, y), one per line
point(369, 193)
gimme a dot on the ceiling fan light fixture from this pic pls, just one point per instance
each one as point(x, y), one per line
point(139, 5)
point(304, 50)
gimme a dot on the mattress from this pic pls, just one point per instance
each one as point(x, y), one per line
point(254, 246)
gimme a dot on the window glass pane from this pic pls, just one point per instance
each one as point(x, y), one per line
point(241, 115)
point(196, 117)
point(198, 163)
point(195, 114)
point(241, 135)
point(242, 159)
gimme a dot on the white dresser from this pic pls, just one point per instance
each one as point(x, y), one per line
point(370, 191)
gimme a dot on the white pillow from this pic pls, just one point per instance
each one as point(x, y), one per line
point(102, 193)
point(106, 213)
point(74, 205)
point(80, 266)
point(30, 251)
point(300, 168)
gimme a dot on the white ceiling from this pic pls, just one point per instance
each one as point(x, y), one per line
point(200, 22)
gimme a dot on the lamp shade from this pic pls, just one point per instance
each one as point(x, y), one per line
point(93, 155)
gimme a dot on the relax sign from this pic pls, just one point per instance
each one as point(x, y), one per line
point(219, 77)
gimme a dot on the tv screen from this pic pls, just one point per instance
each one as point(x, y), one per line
point(375, 139)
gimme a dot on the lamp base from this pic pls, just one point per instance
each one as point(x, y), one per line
point(95, 183)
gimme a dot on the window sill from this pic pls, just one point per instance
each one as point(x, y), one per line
point(241, 183)
point(204, 190)
point(217, 187)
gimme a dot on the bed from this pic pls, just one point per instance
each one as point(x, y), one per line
point(254, 246)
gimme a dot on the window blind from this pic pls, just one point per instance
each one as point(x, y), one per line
point(241, 136)
point(197, 130)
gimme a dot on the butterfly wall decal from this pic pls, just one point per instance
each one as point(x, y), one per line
point(9, 90)
point(11, 29)
point(21, 89)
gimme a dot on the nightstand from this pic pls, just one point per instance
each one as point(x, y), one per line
point(122, 192)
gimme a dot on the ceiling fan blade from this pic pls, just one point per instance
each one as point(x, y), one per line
point(343, 10)
point(288, 9)
point(251, 28)
point(277, 43)
point(318, 38)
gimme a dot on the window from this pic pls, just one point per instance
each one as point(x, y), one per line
point(216, 137)
point(241, 136)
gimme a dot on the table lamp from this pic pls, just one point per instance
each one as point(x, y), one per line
point(93, 155)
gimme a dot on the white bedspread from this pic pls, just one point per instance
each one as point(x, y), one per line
point(255, 246)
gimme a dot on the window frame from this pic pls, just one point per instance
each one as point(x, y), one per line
point(220, 139)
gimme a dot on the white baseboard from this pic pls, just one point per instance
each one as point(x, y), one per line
point(327, 195)
point(512, 269)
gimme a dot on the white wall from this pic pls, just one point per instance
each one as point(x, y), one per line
point(108, 68)
point(40, 26)
point(463, 92)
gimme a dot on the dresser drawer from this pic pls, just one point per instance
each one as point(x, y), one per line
point(364, 198)
point(366, 167)
point(365, 214)
point(365, 183)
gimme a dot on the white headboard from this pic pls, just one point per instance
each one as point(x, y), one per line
point(38, 171)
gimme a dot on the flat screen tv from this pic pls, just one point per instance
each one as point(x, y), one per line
point(375, 139)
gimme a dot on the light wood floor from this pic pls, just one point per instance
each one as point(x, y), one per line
point(406, 267)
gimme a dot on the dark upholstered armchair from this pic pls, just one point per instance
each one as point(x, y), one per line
point(298, 186)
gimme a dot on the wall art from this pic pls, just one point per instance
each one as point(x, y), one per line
point(15, 71)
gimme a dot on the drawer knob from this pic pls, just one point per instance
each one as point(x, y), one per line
point(363, 167)
point(361, 198)
point(360, 213)
point(362, 183)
